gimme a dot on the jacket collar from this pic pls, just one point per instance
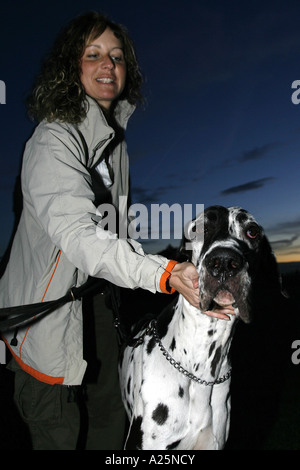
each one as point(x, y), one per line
point(95, 130)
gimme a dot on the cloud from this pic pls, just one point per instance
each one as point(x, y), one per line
point(285, 242)
point(289, 225)
point(285, 237)
point(250, 186)
point(258, 152)
point(255, 153)
point(289, 232)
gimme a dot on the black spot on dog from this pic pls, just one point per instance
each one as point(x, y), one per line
point(160, 414)
point(242, 216)
point(128, 405)
point(150, 345)
point(210, 332)
point(216, 360)
point(128, 385)
point(211, 348)
point(173, 344)
point(180, 392)
point(165, 318)
point(173, 445)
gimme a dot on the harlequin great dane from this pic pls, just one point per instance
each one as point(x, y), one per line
point(175, 378)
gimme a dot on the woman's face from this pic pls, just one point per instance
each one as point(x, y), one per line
point(103, 68)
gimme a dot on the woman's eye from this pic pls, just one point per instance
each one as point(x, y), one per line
point(117, 59)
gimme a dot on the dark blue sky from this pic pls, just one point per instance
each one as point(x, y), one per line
point(220, 126)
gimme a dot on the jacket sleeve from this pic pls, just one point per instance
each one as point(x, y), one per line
point(57, 187)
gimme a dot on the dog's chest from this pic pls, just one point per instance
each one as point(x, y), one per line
point(199, 343)
point(172, 405)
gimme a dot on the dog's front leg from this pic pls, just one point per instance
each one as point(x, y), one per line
point(221, 406)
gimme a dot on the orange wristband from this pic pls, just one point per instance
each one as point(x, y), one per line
point(165, 277)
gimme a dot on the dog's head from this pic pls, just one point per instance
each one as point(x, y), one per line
point(233, 257)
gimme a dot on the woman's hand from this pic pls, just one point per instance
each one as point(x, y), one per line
point(221, 312)
point(185, 280)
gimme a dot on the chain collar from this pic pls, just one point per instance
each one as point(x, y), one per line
point(175, 364)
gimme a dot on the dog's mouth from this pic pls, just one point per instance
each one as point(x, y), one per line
point(224, 298)
point(221, 298)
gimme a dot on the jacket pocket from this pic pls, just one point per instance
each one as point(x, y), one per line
point(37, 401)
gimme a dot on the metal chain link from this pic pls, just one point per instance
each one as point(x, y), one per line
point(177, 366)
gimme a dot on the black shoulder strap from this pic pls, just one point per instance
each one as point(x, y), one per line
point(10, 317)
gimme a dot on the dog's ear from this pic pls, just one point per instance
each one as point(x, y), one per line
point(267, 274)
point(266, 290)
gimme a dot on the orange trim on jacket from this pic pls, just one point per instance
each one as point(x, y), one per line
point(165, 277)
point(36, 374)
point(51, 276)
point(20, 350)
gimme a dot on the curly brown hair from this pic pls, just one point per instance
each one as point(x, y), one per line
point(58, 93)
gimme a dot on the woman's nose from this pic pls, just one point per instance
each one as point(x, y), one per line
point(107, 62)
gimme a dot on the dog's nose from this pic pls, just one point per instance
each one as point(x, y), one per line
point(223, 263)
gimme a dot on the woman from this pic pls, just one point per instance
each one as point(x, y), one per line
point(75, 160)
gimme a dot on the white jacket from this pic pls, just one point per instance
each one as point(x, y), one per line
point(57, 246)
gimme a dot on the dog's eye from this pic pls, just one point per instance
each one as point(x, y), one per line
point(253, 231)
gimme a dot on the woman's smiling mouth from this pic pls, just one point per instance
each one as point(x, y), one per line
point(105, 80)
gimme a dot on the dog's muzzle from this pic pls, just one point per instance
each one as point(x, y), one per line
point(224, 279)
point(224, 263)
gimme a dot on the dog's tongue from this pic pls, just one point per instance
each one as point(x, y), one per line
point(224, 298)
